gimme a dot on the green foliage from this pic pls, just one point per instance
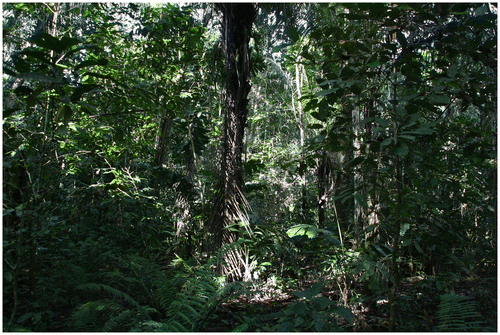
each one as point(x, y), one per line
point(458, 314)
point(401, 98)
point(101, 315)
point(311, 232)
point(311, 312)
point(107, 308)
point(117, 294)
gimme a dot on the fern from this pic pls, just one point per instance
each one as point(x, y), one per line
point(114, 323)
point(193, 294)
point(89, 316)
point(196, 300)
point(93, 287)
point(106, 315)
point(458, 314)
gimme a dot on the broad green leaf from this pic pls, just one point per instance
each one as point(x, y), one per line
point(23, 90)
point(383, 270)
point(10, 72)
point(421, 131)
point(409, 97)
point(66, 43)
point(406, 242)
point(386, 142)
point(361, 199)
point(31, 100)
point(439, 99)
point(407, 137)
point(402, 149)
point(382, 122)
point(354, 162)
point(374, 64)
point(301, 230)
point(326, 92)
point(64, 114)
point(323, 110)
point(321, 303)
point(37, 54)
point(481, 11)
point(80, 90)
point(294, 35)
point(404, 229)
point(37, 77)
point(8, 276)
point(50, 42)
point(379, 249)
point(417, 246)
point(316, 289)
point(452, 71)
point(46, 41)
point(92, 62)
point(303, 294)
point(370, 228)
point(315, 125)
point(320, 322)
point(369, 271)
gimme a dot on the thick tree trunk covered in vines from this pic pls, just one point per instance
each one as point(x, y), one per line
point(230, 203)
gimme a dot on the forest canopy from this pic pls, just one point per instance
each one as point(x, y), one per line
point(249, 167)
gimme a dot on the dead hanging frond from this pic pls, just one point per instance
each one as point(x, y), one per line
point(233, 260)
point(229, 216)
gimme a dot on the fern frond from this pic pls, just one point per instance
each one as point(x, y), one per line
point(193, 293)
point(148, 326)
point(458, 314)
point(177, 327)
point(241, 328)
point(113, 323)
point(89, 316)
point(117, 294)
point(93, 287)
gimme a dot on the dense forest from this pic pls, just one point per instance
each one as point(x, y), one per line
point(249, 167)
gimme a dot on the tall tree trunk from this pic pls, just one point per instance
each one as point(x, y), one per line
point(324, 180)
point(299, 117)
point(393, 305)
point(162, 139)
point(230, 203)
point(358, 176)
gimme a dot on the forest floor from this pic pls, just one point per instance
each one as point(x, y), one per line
point(417, 306)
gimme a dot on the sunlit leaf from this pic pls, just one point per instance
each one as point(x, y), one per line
point(301, 230)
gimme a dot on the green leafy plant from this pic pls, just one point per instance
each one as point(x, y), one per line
point(107, 314)
point(458, 314)
point(191, 296)
point(311, 312)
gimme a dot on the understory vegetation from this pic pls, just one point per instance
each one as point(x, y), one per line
point(249, 167)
